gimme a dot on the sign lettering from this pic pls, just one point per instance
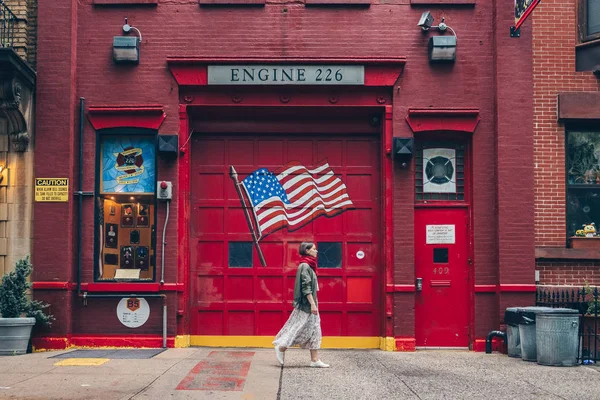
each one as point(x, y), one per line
point(440, 234)
point(286, 75)
point(52, 189)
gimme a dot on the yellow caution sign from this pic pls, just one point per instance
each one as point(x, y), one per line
point(52, 189)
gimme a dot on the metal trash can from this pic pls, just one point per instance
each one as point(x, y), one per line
point(527, 331)
point(513, 339)
point(557, 336)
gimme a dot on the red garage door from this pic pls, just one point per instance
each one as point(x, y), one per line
point(231, 292)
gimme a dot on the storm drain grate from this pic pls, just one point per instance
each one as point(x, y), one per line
point(125, 354)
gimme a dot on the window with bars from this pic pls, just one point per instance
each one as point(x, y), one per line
point(440, 171)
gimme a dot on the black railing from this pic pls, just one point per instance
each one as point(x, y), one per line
point(8, 22)
point(586, 301)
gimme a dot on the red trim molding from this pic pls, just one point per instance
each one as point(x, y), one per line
point(232, 2)
point(111, 287)
point(518, 288)
point(124, 2)
point(497, 345)
point(443, 119)
point(193, 71)
point(133, 116)
point(51, 285)
point(400, 288)
point(136, 341)
point(505, 288)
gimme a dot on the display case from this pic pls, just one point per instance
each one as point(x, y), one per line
point(126, 207)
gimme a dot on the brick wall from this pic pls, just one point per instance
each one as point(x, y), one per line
point(569, 273)
point(554, 40)
point(25, 30)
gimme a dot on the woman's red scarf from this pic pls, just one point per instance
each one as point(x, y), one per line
point(310, 260)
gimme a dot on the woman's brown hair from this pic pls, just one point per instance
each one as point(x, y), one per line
point(305, 247)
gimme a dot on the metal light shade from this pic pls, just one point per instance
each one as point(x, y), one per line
point(126, 49)
point(442, 48)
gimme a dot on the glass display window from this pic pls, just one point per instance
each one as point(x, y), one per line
point(126, 208)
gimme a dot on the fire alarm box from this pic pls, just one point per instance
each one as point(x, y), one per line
point(164, 190)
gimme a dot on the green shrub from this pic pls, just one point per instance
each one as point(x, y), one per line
point(14, 301)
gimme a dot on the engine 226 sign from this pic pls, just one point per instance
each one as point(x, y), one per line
point(286, 75)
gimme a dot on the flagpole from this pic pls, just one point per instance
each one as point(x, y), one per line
point(233, 174)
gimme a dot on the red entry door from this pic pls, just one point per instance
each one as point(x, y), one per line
point(442, 263)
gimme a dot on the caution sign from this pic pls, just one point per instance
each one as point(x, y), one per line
point(52, 189)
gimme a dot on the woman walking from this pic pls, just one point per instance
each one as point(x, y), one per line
point(303, 328)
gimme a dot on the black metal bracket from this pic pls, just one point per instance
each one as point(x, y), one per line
point(515, 32)
point(79, 193)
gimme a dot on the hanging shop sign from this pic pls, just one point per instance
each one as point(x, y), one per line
point(441, 234)
point(133, 312)
point(128, 164)
point(286, 75)
point(52, 189)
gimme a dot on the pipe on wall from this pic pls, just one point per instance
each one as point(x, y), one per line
point(488, 340)
point(164, 243)
point(80, 196)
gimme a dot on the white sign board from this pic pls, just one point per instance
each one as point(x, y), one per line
point(133, 312)
point(441, 234)
point(286, 74)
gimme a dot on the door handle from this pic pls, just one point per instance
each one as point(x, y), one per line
point(419, 284)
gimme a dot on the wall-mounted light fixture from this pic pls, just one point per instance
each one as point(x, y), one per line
point(403, 150)
point(440, 48)
point(3, 175)
point(126, 50)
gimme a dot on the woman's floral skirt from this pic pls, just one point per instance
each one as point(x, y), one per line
point(301, 329)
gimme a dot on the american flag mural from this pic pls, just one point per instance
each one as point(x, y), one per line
point(294, 196)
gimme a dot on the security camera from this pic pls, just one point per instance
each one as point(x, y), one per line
point(426, 21)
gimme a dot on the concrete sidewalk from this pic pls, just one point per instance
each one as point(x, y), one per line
point(216, 373)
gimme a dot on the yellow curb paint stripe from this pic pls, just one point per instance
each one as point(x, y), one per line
point(387, 344)
point(81, 362)
point(329, 342)
point(182, 341)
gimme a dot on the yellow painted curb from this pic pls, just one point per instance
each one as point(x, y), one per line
point(182, 341)
point(84, 362)
point(387, 344)
point(329, 342)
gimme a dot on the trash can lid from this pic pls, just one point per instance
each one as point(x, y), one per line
point(512, 316)
point(528, 313)
point(569, 311)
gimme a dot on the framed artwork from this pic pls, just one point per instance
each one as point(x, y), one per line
point(112, 236)
point(141, 257)
point(142, 216)
point(134, 236)
point(112, 210)
point(111, 259)
point(127, 216)
point(128, 164)
point(127, 257)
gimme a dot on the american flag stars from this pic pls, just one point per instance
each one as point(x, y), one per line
point(262, 184)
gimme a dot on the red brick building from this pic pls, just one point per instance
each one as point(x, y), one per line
point(275, 123)
point(566, 66)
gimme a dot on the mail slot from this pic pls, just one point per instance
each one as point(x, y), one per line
point(440, 283)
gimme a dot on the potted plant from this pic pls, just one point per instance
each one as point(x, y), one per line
point(18, 311)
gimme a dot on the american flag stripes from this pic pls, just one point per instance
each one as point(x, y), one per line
point(294, 196)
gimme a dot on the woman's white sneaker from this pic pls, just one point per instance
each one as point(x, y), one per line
point(279, 355)
point(319, 364)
